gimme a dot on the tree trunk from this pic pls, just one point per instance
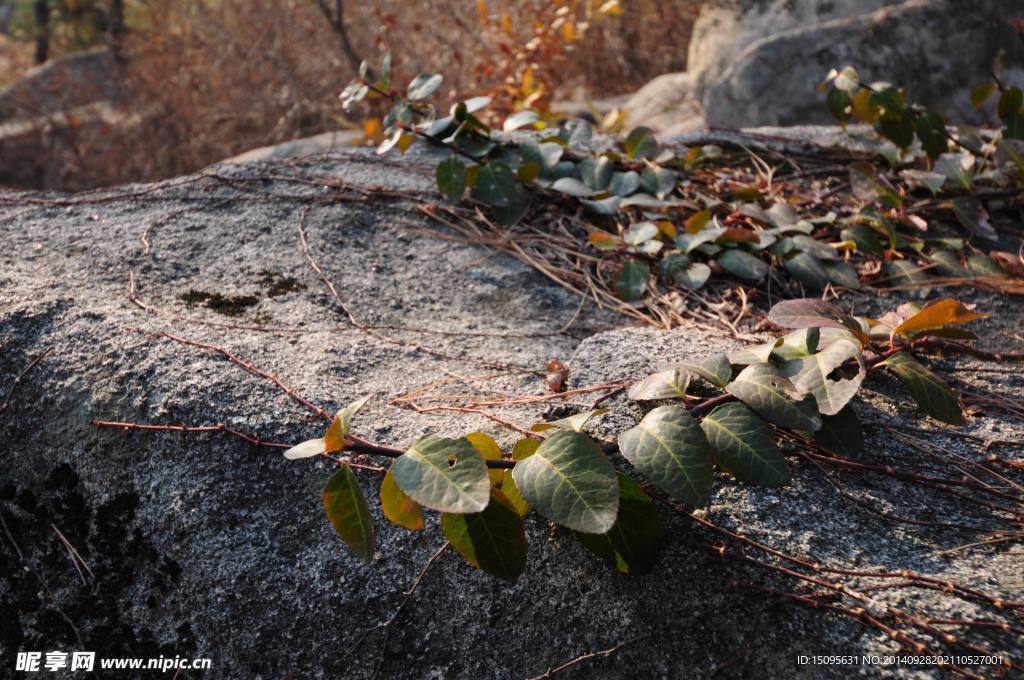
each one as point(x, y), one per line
point(115, 27)
point(42, 12)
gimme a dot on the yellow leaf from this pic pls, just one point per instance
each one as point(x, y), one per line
point(667, 228)
point(481, 9)
point(697, 221)
point(946, 312)
point(862, 106)
point(404, 142)
point(611, 8)
point(373, 132)
point(506, 24)
point(398, 507)
point(489, 449)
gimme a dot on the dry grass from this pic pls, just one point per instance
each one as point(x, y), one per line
point(214, 78)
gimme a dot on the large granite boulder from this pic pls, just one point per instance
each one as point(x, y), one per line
point(758, 62)
point(147, 543)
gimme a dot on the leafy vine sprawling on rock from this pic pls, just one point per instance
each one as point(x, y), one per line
point(798, 386)
point(650, 211)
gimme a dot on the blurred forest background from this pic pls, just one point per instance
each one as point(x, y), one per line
point(197, 81)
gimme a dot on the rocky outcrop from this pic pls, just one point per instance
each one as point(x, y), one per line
point(758, 62)
point(62, 84)
point(204, 545)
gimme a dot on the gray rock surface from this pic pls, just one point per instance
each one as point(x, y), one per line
point(202, 545)
point(758, 62)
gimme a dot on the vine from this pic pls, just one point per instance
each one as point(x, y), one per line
point(797, 386)
point(653, 212)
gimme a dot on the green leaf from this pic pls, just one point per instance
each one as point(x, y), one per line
point(496, 185)
point(571, 482)
point(981, 93)
point(905, 273)
point(815, 373)
point(447, 475)
point(633, 542)
point(742, 444)
point(983, 265)
point(640, 232)
point(631, 280)
point(974, 218)
point(596, 173)
point(397, 506)
point(336, 438)
point(808, 270)
point(764, 389)
point(572, 187)
point(841, 433)
point(755, 354)
point(811, 313)
point(640, 143)
point(864, 237)
point(669, 448)
point(947, 263)
point(842, 274)
point(670, 384)
point(624, 183)
point(451, 178)
point(574, 423)
point(1010, 102)
point(423, 85)
point(931, 130)
point(520, 119)
point(928, 390)
point(658, 181)
point(715, 369)
point(839, 104)
point(743, 265)
point(492, 540)
point(511, 492)
point(348, 512)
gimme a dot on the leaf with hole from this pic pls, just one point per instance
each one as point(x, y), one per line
point(763, 388)
point(669, 448)
point(348, 512)
point(447, 475)
point(833, 375)
point(633, 542)
point(742, 444)
point(928, 390)
point(493, 540)
point(571, 482)
point(670, 384)
point(397, 506)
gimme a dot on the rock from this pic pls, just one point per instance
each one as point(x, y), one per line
point(62, 84)
point(758, 62)
point(306, 146)
point(203, 545)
